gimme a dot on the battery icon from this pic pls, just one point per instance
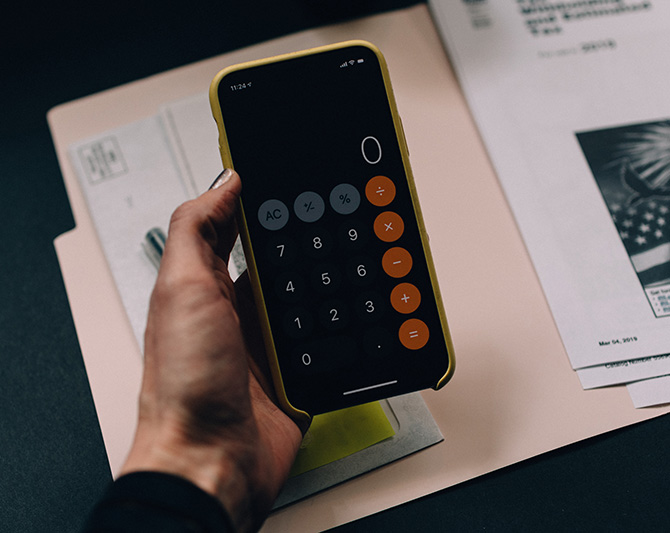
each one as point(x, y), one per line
point(360, 61)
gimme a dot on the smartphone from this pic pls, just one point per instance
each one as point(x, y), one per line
point(331, 227)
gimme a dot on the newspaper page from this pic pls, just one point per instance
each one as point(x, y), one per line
point(571, 101)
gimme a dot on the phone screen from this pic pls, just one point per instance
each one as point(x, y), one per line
point(332, 228)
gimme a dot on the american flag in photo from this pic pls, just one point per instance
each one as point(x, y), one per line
point(643, 228)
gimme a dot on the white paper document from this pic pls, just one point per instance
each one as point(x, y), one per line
point(134, 177)
point(571, 101)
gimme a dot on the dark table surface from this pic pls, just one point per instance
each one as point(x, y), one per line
point(52, 460)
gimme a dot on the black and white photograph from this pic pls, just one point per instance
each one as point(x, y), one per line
point(631, 165)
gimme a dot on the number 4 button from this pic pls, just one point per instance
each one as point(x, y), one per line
point(290, 287)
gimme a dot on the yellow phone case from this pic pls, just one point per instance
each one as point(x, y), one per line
point(244, 233)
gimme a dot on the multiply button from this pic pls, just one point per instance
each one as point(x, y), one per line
point(413, 334)
point(389, 226)
point(273, 214)
point(380, 191)
point(405, 298)
point(397, 262)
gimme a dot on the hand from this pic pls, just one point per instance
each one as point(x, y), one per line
point(203, 414)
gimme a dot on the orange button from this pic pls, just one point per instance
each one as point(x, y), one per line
point(380, 191)
point(389, 226)
point(397, 262)
point(405, 298)
point(413, 334)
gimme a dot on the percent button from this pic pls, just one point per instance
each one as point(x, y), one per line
point(345, 199)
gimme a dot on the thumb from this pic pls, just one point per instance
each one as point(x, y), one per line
point(220, 200)
point(222, 197)
point(210, 218)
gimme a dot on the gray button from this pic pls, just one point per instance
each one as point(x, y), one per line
point(273, 214)
point(309, 206)
point(345, 199)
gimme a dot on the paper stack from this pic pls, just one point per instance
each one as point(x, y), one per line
point(570, 99)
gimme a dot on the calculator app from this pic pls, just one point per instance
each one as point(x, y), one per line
point(332, 228)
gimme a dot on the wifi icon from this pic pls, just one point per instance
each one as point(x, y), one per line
point(351, 61)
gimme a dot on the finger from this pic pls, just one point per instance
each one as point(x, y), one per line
point(224, 193)
point(205, 224)
point(246, 310)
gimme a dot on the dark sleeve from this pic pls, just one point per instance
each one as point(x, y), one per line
point(150, 502)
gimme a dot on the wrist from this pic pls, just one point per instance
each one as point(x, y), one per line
point(219, 468)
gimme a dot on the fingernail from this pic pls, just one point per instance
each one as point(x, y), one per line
point(221, 179)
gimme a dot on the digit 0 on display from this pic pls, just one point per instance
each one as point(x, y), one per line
point(335, 244)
